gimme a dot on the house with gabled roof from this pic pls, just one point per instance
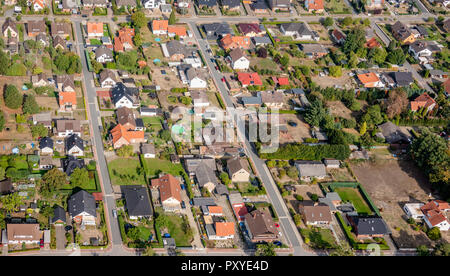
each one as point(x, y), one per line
point(314, 6)
point(59, 43)
point(46, 145)
point(126, 3)
point(176, 30)
point(65, 83)
point(338, 36)
point(120, 136)
point(107, 78)
point(82, 208)
point(317, 214)
point(423, 101)
point(232, 42)
point(283, 5)
point(237, 203)
point(62, 29)
point(36, 27)
point(38, 5)
point(298, 31)
point(402, 33)
point(103, 54)
point(260, 226)
point(66, 127)
point(95, 3)
point(19, 233)
point(368, 227)
point(310, 169)
point(370, 80)
point(67, 101)
point(125, 96)
point(247, 79)
point(169, 192)
point(39, 80)
point(238, 60)
point(124, 40)
point(70, 163)
point(137, 201)
point(220, 231)
point(59, 215)
point(435, 214)
point(251, 29)
point(238, 169)
point(159, 27)
point(206, 177)
point(74, 145)
point(9, 28)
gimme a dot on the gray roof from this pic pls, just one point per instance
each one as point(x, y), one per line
point(203, 201)
point(210, 230)
point(221, 189)
point(63, 125)
point(103, 50)
point(71, 163)
point(175, 47)
point(107, 73)
point(311, 168)
point(328, 161)
point(393, 133)
point(191, 164)
point(9, 23)
point(236, 164)
point(205, 175)
point(148, 148)
point(261, 40)
point(251, 100)
point(120, 91)
point(235, 198)
point(82, 202)
point(46, 142)
point(299, 27)
point(74, 141)
point(131, 3)
point(137, 200)
point(217, 28)
point(313, 48)
point(400, 30)
point(59, 214)
point(403, 78)
point(370, 225)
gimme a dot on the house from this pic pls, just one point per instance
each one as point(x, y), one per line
point(338, 36)
point(231, 5)
point(126, 3)
point(46, 145)
point(206, 177)
point(199, 98)
point(403, 78)
point(43, 118)
point(174, 50)
point(124, 40)
point(314, 50)
point(39, 80)
point(315, 214)
point(423, 101)
point(238, 170)
point(38, 5)
point(71, 163)
point(332, 200)
point(12, 46)
point(282, 5)
point(153, 4)
point(310, 169)
point(65, 83)
point(393, 134)
point(137, 200)
point(446, 25)
point(260, 227)
point(169, 192)
point(148, 150)
point(176, 30)
point(216, 30)
point(125, 96)
point(159, 27)
point(402, 33)
point(314, 6)
point(222, 231)
point(215, 211)
point(238, 60)
point(122, 136)
point(6, 187)
point(66, 127)
point(232, 42)
point(82, 208)
point(9, 28)
point(298, 31)
point(67, 101)
point(447, 87)
point(103, 54)
point(165, 8)
point(372, 43)
point(438, 74)
point(259, 7)
point(62, 29)
point(36, 27)
point(42, 38)
point(74, 145)
point(203, 201)
point(435, 214)
point(126, 118)
point(423, 48)
point(412, 210)
point(368, 227)
point(59, 215)
point(206, 3)
point(237, 203)
point(107, 78)
point(46, 162)
point(59, 43)
point(150, 111)
point(272, 99)
point(247, 79)
point(19, 233)
point(95, 3)
point(195, 78)
point(370, 80)
point(250, 29)
point(68, 6)
point(191, 164)
point(258, 41)
point(331, 163)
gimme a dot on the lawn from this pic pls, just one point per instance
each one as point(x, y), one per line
point(94, 41)
point(319, 238)
point(144, 233)
point(266, 64)
point(337, 7)
point(155, 166)
point(91, 185)
point(125, 171)
point(353, 195)
point(176, 226)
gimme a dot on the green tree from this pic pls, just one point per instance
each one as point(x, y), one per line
point(265, 250)
point(4, 62)
point(422, 250)
point(335, 71)
point(125, 151)
point(13, 98)
point(396, 56)
point(30, 106)
point(354, 41)
point(434, 233)
point(378, 55)
point(347, 21)
point(137, 40)
point(441, 249)
point(2, 120)
point(328, 22)
point(165, 134)
point(315, 113)
point(225, 178)
point(138, 19)
point(39, 130)
point(52, 181)
point(79, 177)
point(172, 17)
point(363, 128)
point(373, 115)
point(2, 173)
point(11, 202)
point(343, 250)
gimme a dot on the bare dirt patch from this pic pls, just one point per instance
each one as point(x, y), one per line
point(337, 108)
point(391, 184)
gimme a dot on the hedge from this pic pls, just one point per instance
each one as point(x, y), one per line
point(307, 152)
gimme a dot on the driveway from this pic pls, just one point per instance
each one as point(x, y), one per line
point(60, 237)
point(197, 243)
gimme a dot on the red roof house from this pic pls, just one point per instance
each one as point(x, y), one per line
point(247, 79)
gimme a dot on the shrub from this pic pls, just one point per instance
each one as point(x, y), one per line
point(13, 98)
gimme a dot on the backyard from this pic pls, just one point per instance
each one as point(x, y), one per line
point(320, 238)
point(177, 226)
point(126, 171)
point(354, 196)
point(154, 167)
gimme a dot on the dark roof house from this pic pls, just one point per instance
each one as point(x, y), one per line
point(137, 200)
point(82, 202)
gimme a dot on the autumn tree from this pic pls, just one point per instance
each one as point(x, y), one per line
point(396, 103)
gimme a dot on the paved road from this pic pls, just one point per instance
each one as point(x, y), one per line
point(286, 223)
point(94, 115)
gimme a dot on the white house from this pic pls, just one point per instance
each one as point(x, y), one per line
point(39, 5)
point(238, 60)
point(107, 79)
point(103, 54)
point(74, 145)
point(123, 96)
point(412, 210)
point(200, 99)
point(153, 4)
point(195, 78)
point(148, 150)
point(46, 145)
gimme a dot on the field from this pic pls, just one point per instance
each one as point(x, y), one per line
point(125, 171)
point(353, 195)
point(391, 184)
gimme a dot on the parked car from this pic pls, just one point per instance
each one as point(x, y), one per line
point(114, 212)
point(277, 243)
point(41, 243)
point(223, 79)
point(183, 205)
point(293, 124)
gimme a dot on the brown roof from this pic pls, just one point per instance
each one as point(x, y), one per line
point(236, 54)
point(236, 164)
point(104, 74)
point(63, 125)
point(169, 187)
point(271, 97)
point(36, 26)
point(125, 116)
point(23, 232)
point(60, 28)
point(316, 213)
point(261, 224)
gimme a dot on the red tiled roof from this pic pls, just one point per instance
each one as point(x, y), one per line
point(177, 30)
point(160, 25)
point(169, 187)
point(249, 78)
point(224, 229)
point(247, 28)
point(67, 98)
point(240, 211)
point(433, 210)
point(98, 196)
point(368, 79)
point(315, 5)
point(372, 43)
point(95, 27)
point(120, 131)
point(283, 81)
point(423, 100)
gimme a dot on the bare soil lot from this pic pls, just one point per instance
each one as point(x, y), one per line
point(391, 184)
point(297, 133)
point(337, 108)
point(345, 81)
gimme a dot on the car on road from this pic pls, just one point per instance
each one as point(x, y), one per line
point(114, 212)
point(68, 228)
point(277, 243)
point(41, 243)
point(84, 15)
point(223, 79)
point(183, 205)
point(213, 60)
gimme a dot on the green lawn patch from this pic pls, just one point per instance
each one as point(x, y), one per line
point(94, 41)
point(353, 195)
point(155, 166)
point(91, 185)
point(319, 238)
point(176, 227)
point(126, 171)
point(144, 233)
